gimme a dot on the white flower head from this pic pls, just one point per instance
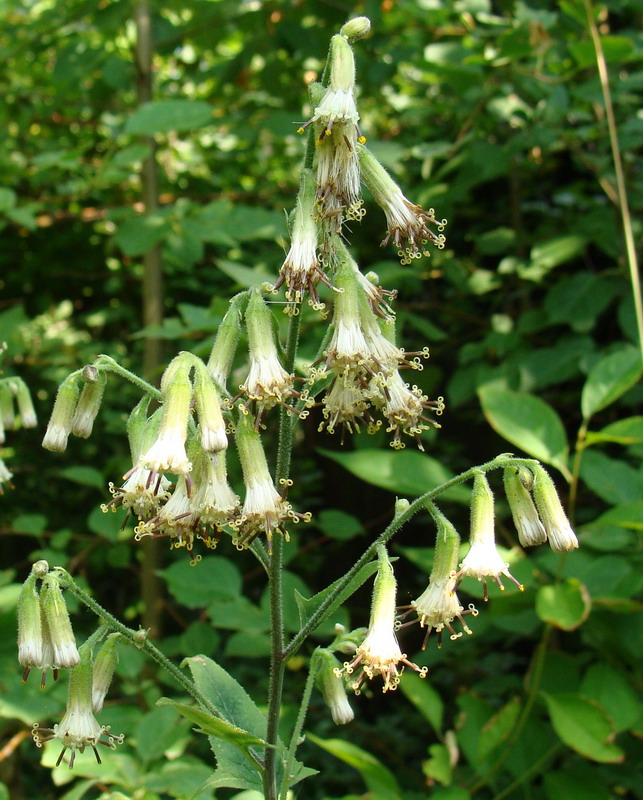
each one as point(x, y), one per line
point(333, 688)
point(380, 652)
point(30, 634)
point(174, 520)
point(214, 504)
point(559, 532)
point(58, 625)
point(89, 402)
point(212, 428)
point(78, 728)
point(346, 404)
point(483, 559)
point(26, 411)
point(5, 475)
point(62, 414)
point(142, 493)
point(264, 509)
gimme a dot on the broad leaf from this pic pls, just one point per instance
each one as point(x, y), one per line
point(162, 116)
point(380, 781)
point(624, 431)
point(405, 472)
point(565, 605)
point(527, 422)
point(425, 698)
point(583, 726)
point(609, 379)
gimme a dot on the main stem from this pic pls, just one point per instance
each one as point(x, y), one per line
point(277, 635)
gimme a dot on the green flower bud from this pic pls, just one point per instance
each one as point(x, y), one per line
point(559, 532)
point(89, 402)
point(208, 407)
point(332, 686)
point(103, 671)
point(530, 529)
point(26, 410)
point(61, 634)
point(356, 28)
point(62, 414)
point(225, 344)
point(30, 638)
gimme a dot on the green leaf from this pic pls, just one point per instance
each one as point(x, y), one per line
point(615, 48)
point(551, 254)
point(236, 708)
point(527, 422)
point(86, 476)
point(624, 431)
point(577, 781)
point(32, 524)
point(583, 726)
point(578, 299)
point(438, 767)
point(338, 524)
point(425, 698)
point(496, 730)
point(212, 726)
point(196, 586)
point(308, 605)
point(609, 379)
point(138, 235)
point(404, 472)
point(380, 781)
point(612, 479)
point(158, 730)
point(625, 516)
point(245, 276)
point(7, 198)
point(565, 605)
point(162, 116)
point(610, 688)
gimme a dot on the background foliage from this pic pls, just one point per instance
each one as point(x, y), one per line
point(492, 113)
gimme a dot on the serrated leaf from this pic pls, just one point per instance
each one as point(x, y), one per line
point(213, 726)
point(162, 116)
point(404, 472)
point(380, 781)
point(308, 605)
point(527, 422)
point(609, 379)
point(583, 726)
point(565, 605)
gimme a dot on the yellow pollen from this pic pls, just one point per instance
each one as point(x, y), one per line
point(300, 130)
point(361, 139)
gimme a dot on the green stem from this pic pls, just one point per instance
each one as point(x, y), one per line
point(394, 526)
point(108, 364)
point(618, 170)
point(299, 725)
point(514, 735)
point(138, 639)
point(275, 574)
point(578, 455)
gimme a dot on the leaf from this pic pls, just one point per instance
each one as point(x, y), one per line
point(236, 708)
point(551, 254)
point(609, 379)
point(32, 524)
point(338, 524)
point(613, 480)
point(308, 605)
point(610, 688)
point(496, 730)
point(198, 585)
point(245, 276)
point(438, 767)
point(625, 516)
point(161, 116)
point(212, 726)
point(380, 781)
point(583, 726)
point(527, 422)
point(565, 605)
point(86, 476)
point(425, 698)
point(578, 299)
point(138, 235)
point(624, 431)
point(405, 472)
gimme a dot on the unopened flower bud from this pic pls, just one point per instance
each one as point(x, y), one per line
point(401, 505)
point(40, 568)
point(61, 634)
point(103, 671)
point(356, 28)
point(88, 404)
point(26, 410)
point(5, 475)
point(7, 413)
point(62, 414)
point(530, 529)
point(30, 641)
point(559, 532)
point(208, 407)
point(225, 344)
point(333, 688)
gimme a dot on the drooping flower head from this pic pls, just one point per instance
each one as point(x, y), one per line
point(214, 504)
point(525, 516)
point(483, 559)
point(268, 384)
point(301, 270)
point(212, 427)
point(225, 343)
point(264, 509)
point(559, 532)
point(168, 453)
point(410, 227)
point(331, 683)
point(438, 606)
point(30, 634)
point(173, 520)
point(103, 671)
point(58, 625)
point(26, 411)
point(78, 728)
point(380, 653)
point(5, 475)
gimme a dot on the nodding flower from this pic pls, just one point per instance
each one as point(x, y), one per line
point(559, 532)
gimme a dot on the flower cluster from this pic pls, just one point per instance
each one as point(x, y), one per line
point(45, 636)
